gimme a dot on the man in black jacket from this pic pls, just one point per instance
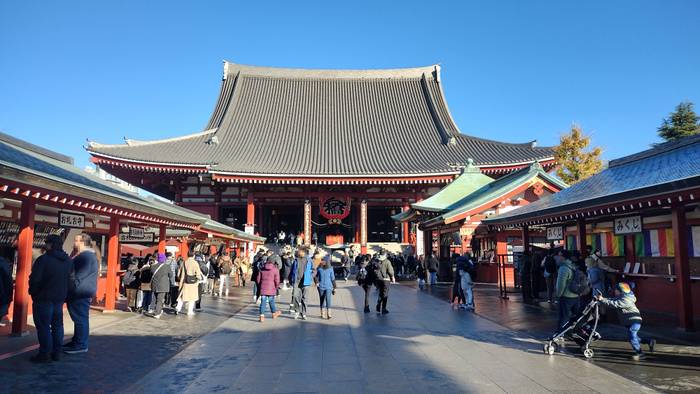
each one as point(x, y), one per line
point(48, 286)
point(382, 280)
point(160, 283)
point(81, 289)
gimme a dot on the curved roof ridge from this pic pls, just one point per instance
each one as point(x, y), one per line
point(530, 144)
point(132, 142)
point(232, 69)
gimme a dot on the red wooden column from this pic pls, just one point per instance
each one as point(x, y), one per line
point(526, 239)
point(581, 229)
point(184, 248)
point(25, 242)
point(404, 227)
point(250, 212)
point(112, 263)
point(682, 267)
point(161, 239)
point(363, 226)
point(630, 250)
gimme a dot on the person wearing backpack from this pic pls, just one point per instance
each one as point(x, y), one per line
point(225, 269)
point(568, 288)
point(549, 269)
point(132, 283)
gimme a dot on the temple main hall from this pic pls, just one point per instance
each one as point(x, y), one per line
point(328, 154)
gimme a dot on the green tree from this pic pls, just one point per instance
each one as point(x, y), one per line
point(576, 162)
point(680, 123)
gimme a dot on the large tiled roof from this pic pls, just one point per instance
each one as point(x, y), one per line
point(271, 121)
point(665, 168)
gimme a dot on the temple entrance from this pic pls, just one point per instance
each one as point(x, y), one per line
point(381, 227)
point(234, 217)
point(287, 218)
point(330, 234)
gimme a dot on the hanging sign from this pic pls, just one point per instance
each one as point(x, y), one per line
point(335, 207)
point(136, 232)
point(127, 238)
point(628, 225)
point(555, 233)
point(72, 220)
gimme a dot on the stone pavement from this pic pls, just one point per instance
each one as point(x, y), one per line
point(120, 353)
point(674, 366)
point(422, 346)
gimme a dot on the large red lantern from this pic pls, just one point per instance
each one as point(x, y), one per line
point(334, 208)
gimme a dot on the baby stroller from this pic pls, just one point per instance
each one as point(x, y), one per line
point(580, 329)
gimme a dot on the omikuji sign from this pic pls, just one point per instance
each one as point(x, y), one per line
point(555, 233)
point(72, 220)
point(628, 225)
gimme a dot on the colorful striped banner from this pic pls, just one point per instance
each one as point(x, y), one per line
point(694, 241)
point(608, 243)
point(658, 243)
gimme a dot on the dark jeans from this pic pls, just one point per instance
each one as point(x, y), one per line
point(173, 295)
point(568, 307)
point(48, 320)
point(383, 288)
point(160, 300)
point(147, 299)
point(299, 299)
point(79, 310)
point(200, 288)
point(366, 288)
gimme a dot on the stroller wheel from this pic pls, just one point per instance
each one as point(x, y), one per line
point(588, 352)
point(549, 348)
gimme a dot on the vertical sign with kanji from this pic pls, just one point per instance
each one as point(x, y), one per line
point(307, 222)
point(363, 223)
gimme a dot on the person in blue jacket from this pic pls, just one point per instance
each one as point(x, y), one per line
point(302, 277)
point(81, 289)
point(325, 279)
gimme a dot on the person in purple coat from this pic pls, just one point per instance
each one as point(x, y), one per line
point(268, 281)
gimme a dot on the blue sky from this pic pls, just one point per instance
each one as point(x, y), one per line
point(512, 70)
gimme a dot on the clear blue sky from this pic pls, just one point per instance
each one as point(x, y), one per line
point(512, 70)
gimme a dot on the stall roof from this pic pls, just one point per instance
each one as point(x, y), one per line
point(665, 168)
point(495, 190)
point(452, 195)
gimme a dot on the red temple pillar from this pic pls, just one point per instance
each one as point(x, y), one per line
point(404, 227)
point(526, 239)
point(250, 212)
point(363, 226)
point(112, 263)
point(184, 248)
point(581, 229)
point(630, 251)
point(307, 223)
point(25, 243)
point(682, 267)
point(161, 239)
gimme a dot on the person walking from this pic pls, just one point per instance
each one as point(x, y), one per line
point(48, 287)
point(549, 271)
point(160, 284)
point(214, 275)
point(241, 266)
point(204, 268)
point(189, 283)
point(568, 301)
point(82, 287)
point(268, 282)
point(325, 280)
point(225, 268)
point(302, 271)
point(625, 304)
point(132, 282)
point(363, 278)
point(6, 290)
point(383, 278)
point(432, 265)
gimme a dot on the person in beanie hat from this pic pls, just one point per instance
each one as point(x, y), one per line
point(629, 316)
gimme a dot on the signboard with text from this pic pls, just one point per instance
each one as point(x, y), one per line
point(628, 225)
point(73, 220)
point(136, 232)
point(127, 238)
point(555, 233)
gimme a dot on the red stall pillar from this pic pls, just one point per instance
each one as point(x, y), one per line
point(161, 239)
point(184, 248)
point(112, 263)
point(404, 227)
point(682, 267)
point(25, 243)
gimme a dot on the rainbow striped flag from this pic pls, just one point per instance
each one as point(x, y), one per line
point(694, 241)
point(608, 243)
point(657, 242)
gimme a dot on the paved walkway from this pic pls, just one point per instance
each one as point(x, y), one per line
point(674, 366)
point(421, 346)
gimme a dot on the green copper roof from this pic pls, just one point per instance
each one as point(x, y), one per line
point(452, 195)
point(494, 191)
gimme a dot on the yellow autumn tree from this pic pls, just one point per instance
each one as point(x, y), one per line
point(576, 161)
